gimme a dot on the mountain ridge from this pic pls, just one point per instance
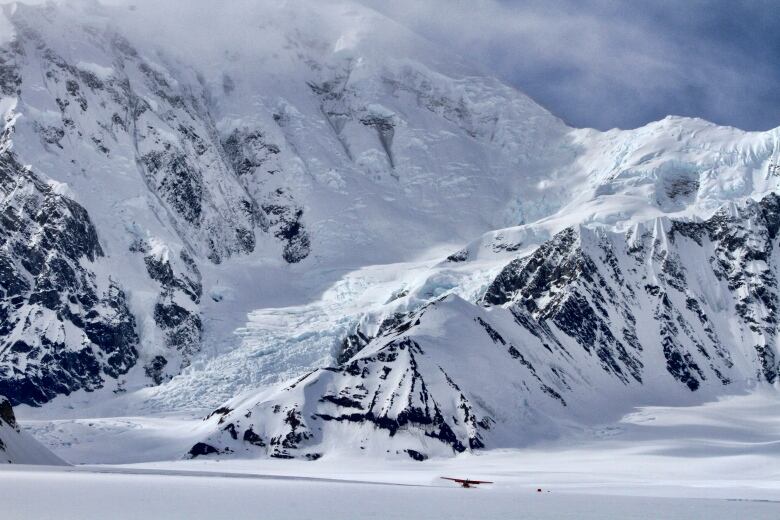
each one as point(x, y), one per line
point(572, 320)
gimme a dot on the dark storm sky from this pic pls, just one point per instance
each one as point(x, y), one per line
point(607, 64)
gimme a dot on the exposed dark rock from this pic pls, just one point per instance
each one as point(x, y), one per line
point(44, 285)
point(7, 413)
point(10, 79)
point(416, 455)
point(551, 265)
point(351, 345)
point(385, 130)
point(252, 438)
point(458, 256)
point(182, 328)
point(200, 449)
point(177, 182)
point(288, 227)
point(154, 370)
point(248, 150)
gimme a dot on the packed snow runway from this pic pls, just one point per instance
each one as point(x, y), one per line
point(720, 460)
point(146, 494)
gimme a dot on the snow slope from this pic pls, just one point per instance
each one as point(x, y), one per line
point(717, 460)
point(18, 447)
point(193, 497)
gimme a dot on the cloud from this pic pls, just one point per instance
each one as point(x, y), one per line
point(598, 63)
point(604, 64)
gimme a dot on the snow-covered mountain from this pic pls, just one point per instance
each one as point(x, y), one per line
point(197, 173)
point(593, 322)
point(16, 446)
point(193, 215)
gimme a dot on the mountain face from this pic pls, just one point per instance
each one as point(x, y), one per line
point(164, 169)
point(188, 216)
point(590, 321)
point(51, 293)
point(16, 447)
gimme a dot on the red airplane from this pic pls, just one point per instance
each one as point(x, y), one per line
point(466, 483)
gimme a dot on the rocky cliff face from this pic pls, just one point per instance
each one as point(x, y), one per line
point(66, 322)
point(63, 326)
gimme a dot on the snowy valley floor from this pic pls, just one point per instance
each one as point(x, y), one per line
point(719, 460)
point(44, 494)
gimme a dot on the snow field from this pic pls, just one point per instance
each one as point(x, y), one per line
point(86, 495)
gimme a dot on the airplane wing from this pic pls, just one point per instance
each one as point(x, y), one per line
point(465, 480)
